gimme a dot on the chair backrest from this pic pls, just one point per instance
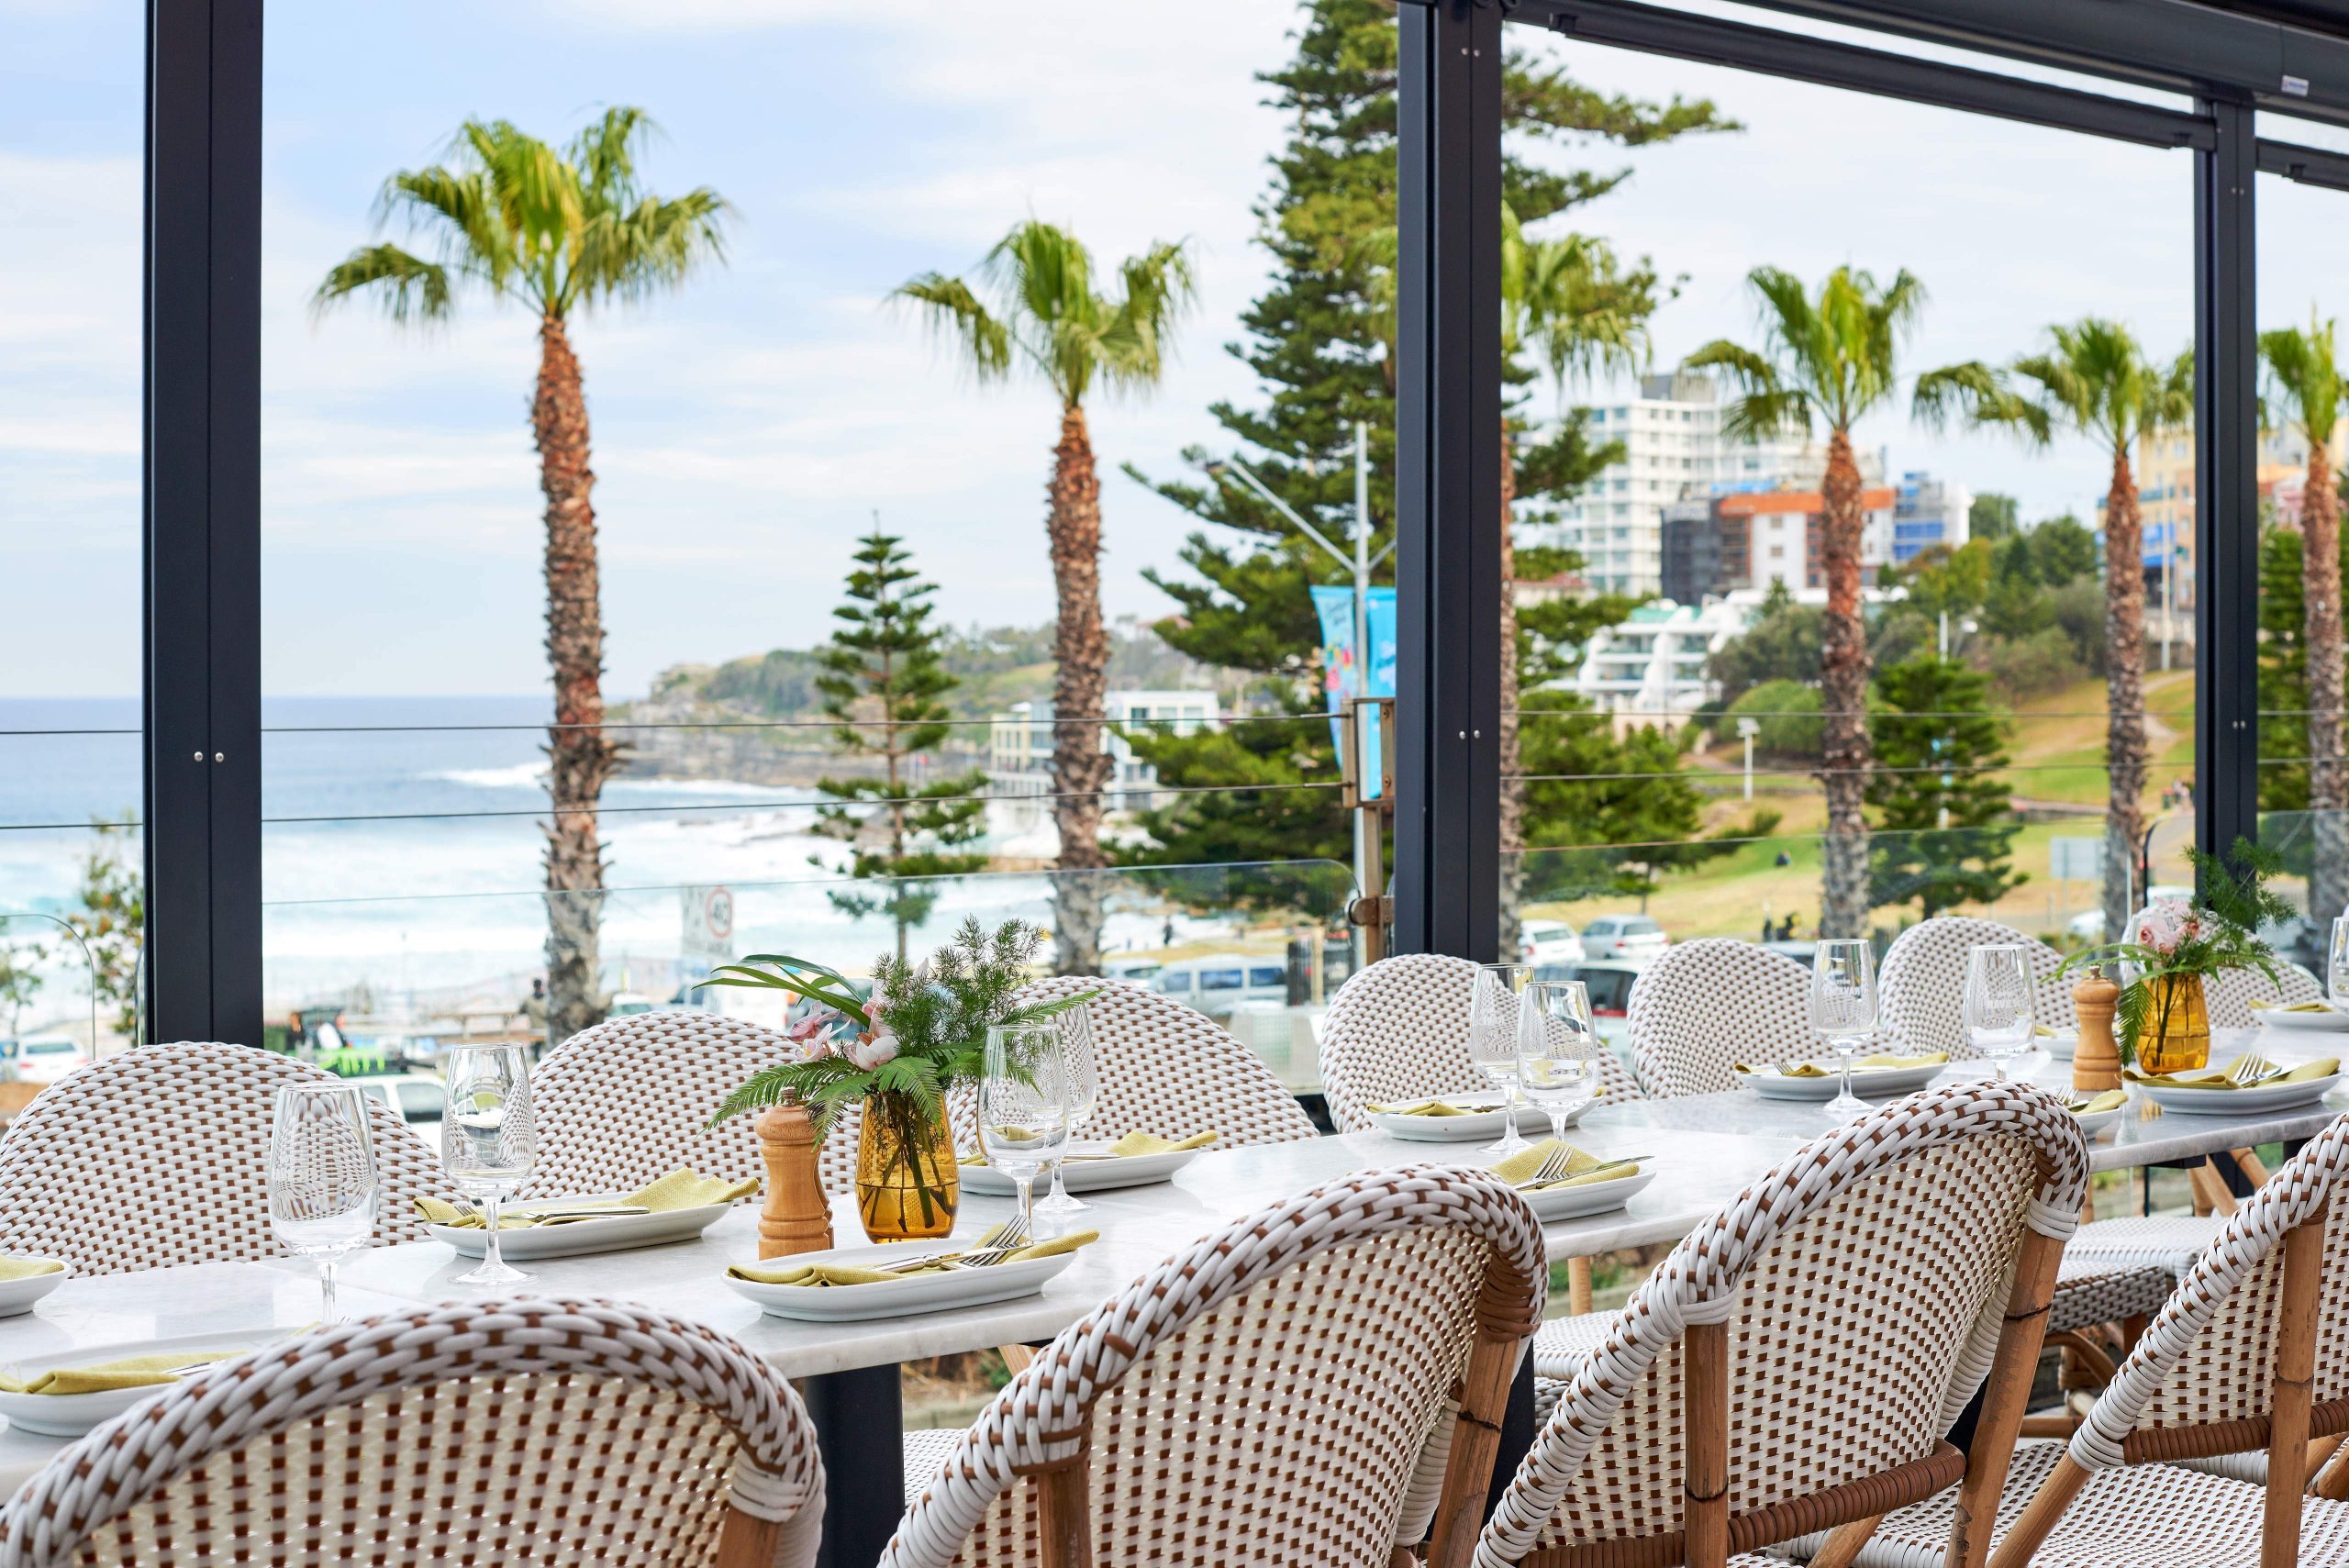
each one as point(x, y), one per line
point(1706, 1005)
point(160, 1156)
point(1172, 1072)
point(2228, 995)
point(1796, 1360)
point(1399, 1030)
point(546, 1430)
point(1922, 986)
point(1272, 1393)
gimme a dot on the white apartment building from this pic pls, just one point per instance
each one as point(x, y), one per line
point(1649, 667)
point(1019, 743)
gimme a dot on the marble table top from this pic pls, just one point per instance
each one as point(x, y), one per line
point(1707, 1149)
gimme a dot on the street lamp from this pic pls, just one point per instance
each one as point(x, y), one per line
point(1749, 728)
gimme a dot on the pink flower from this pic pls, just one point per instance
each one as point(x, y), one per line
point(873, 1050)
point(874, 1009)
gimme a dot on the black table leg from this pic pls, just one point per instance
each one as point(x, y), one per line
point(1517, 1433)
point(860, 1423)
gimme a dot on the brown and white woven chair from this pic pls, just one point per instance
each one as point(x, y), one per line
point(1172, 1072)
point(1794, 1363)
point(628, 1101)
point(160, 1156)
point(514, 1432)
point(1279, 1391)
point(2250, 1354)
point(1921, 986)
point(2228, 995)
point(1708, 1004)
point(1399, 1030)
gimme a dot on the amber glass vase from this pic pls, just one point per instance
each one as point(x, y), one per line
point(2177, 1027)
point(907, 1184)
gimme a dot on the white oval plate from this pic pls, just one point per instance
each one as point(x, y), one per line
point(71, 1414)
point(2060, 1046)
point(2239, 1102)
point(1089, 1175)
point(1868, 1082)
point(17, 1295)
point(2096, 1121)
point(2326, 1022)
point(1572, 1203)
point(1465, 1129)
point(901, 1297)
point(617, 1234)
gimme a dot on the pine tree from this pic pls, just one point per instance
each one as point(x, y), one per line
point(883, 682)
point(1946, 821)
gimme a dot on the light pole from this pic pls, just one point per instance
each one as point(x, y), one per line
point(1747, 728)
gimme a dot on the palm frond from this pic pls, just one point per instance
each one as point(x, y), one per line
point(411, 289)
point(1980, 395)
point(948, 308)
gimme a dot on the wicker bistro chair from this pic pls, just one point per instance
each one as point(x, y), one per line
point(1172, 1072)
point(160, 1156)
point(516, 1431)
point(2229, 995)
point(1707, 1005)
point(2250, 1355)
point(1399, 1030)
point(1922, 986)
point(1318, 1384)
point(1793, 1363)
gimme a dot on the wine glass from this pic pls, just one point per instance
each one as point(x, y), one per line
point(1557, 1050)
point(322, 1184)
point(1998, 1001)
point(1492, 1040)
point(1080, 1079)
point(1842, 1010)
point(489, 1139)
point(2336, 968)
point(1023, 1106)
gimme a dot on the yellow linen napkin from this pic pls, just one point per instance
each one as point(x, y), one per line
point(27, 1268)
point(1137, 1143)
point(2265, 1004)
point(1432, 1107)
point(131, 1372)
point(1583, 1169)
point(2111, 1100)
point(2042, 1031)
point(787, 1273)
point(681, 1188)
point(1881, 1059)
point(2215, 1077)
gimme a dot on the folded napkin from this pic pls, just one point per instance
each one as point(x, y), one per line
point(1137, 1143)
point(788, 1273)
point(2215, 1077)
point(27, 1268)
point(2264, 1006)
point(2042, 1031)
point(679, 1189)
point(1881, 1059)
point(132, 1372)
point(1582, 1169)
point(2111, 1100)
point(1432, 1107)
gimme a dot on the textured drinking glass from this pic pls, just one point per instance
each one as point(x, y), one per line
point(1023, 1106)
point(1998, 1001)
point(1081, 1070)
point(1557, 1050)
point(322, 1184)
point(1492, 1040)
point(2336, 967)
point(1843, 1008)
point(489, 1139)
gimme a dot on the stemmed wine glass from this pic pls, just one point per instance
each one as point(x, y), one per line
point(1081, 1081)
point(2336, 968)
point(1493, 1009)
point(1557, 1050)
point(1998, 1001)
point(1023, 1106)
point(1842, 1010)
point(489, 1139)
point(322, 1184)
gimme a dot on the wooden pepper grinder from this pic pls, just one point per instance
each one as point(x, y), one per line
point(796, 1217)
point(2096, 1058)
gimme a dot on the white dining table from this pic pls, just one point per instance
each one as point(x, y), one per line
point(1707, 1149)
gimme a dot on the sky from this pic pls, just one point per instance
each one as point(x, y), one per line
point(749, 426)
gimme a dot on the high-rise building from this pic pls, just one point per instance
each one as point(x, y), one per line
point(1926, 512)
point(2164, 474)
point(1748, 540)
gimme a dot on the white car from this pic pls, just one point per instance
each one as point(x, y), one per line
point(417, 1097)
point(2088, 925)
point(40, 1061)
point(1552, 941)
point(1632, 937)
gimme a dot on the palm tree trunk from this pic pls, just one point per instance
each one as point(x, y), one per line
point(2328, 780)
point(1080, 690)
point(1512, 824)
point(2124, 693)
point(1843, 695)
point(579, 756)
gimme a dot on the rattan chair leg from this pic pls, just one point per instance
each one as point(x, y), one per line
point(1578, 1285)
point(2253, 1168)
point(2046, 1507)
point(2004, 1400)
point(2084, 1356)
point(747, 1541)
point(1844, 1544)
point(1064, 1514)
point(1475, 1442)
point(1704, 1466)
point(2287, 1442)
point(2333, 1479)
point(2210, 1194)
point(1016, 1357)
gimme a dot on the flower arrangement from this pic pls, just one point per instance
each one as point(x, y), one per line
point(2173, 939)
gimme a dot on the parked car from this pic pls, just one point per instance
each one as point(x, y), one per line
point(1801, 952)
point(1630, 937)
point(1133, 970)
point(1220, 981)
point(417, 1097)
point(2088, 925)
point(1552, 941)
point(43, 1059)
point(1609, 982)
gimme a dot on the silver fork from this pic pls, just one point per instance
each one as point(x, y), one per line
point(2249, 1069)
point(1010, 1239)
point(1551, 1170)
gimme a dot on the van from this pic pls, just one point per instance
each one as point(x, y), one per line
point(1219, 983)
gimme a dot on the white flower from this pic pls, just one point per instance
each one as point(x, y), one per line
point(2162, 925)
point(871, 1052)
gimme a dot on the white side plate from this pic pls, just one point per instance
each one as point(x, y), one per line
point(1868, 1082)
point(1468, 1129)
point(2326, 1022)
point(898, 1297)
point(1572, 1203)
point(71, 1414)
point(17, 1295)
point(2240, 1102)
point(2096, 1121)
point(1089, 1175)
point(617, 1234)
point(2059, 1046)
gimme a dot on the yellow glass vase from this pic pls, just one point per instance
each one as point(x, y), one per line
point(2177, 1027)
point(908, 1182)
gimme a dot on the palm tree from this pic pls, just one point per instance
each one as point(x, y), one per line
point(1049, 320)
point(2304, 389)
point(1828, 358)
point(2092, 380)
point(555, 231)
